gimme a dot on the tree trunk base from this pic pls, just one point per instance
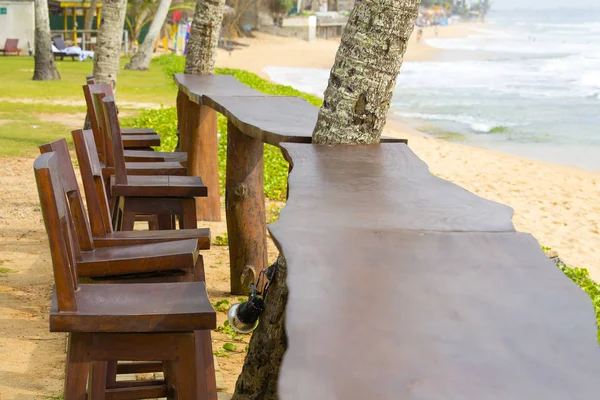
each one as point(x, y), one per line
point(258, 380)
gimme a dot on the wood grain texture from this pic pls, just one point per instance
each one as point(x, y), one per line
point(146, 307)
point(198, 86)
point(270, 119)
point(159, 186)
point(421, 315)
point(245, 207)
point(381, 186)
point(402, 285)
point(203, 156)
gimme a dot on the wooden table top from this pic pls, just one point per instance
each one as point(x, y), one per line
point(198, 86)
point(439, 299)
point(382, 186)
point(271, 119)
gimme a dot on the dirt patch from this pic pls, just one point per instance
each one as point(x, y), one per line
point(31, 358)
point(68, 119)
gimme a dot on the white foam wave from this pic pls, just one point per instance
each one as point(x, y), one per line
point(475, 124)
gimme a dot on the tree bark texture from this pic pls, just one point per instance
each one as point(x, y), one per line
point(141, 60)
point(108, 46)
point(204, 37)
point(45, 68)
point(258, 380)
point(364, 74)
point(354, 111)
point(245, 207)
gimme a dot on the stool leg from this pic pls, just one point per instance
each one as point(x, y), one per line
point(128, 221)
point(153, 223)
point(77, 368)
point(111, 374)
point(205, 365)
point(165, 222)
point(185, 371)
point(170, 383)
point(97, 382)
point(189, 220)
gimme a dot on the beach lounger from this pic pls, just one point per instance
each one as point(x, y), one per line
point(11, 46)
point(60, 49)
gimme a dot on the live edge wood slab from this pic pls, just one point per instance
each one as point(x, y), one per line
point(254, 119)
point(404, 286)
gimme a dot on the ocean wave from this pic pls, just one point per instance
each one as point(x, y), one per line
point(474, 123)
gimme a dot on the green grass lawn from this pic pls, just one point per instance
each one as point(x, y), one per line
point(35, 112)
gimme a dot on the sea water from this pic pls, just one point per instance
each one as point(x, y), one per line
point(526, 83)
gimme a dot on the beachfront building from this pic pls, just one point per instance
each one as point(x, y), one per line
point(17, 21)
point(67, 19)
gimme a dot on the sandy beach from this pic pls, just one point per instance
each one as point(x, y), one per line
point(559, 205)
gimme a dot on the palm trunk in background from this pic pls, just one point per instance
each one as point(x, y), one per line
point(45, 68)
point(89, 19)
point(354, 111)
point(204, 37)
point(364, 74)
point(109, 42)
point(141, 60)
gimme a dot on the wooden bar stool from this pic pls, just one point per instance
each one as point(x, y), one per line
point(93, 96)
point(110, 322)
point(102, 231)
point(131, 153)
point(136, 264)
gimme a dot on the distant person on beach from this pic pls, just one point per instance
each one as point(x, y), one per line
point(419, 34)
point(437, 30)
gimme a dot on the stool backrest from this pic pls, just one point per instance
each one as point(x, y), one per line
point(113, 136)
point(71, 191)
point(64, 247)
point(97, 119)
point(93, 183)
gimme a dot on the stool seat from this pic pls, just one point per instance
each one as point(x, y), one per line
point(159, 186)
point(136, 307)
point(147, 140)
point(138, 131)
point(143, 258)
point(154, 156)
point(120, 238)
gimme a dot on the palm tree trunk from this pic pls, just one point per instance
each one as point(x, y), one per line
point(204, 37)
point(354, 111)
point(45, 68)
point(108, 46)
point(141, 60)
point(364, 74)
point(89, 19)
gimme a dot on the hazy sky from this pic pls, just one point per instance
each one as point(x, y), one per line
point(501, 4)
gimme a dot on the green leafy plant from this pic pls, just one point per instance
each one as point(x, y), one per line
point(222, 305)
point(582, 278)
point(221, 240)
point(221, 353)
point(6, 271)
point(273, 212)
point(230, 347)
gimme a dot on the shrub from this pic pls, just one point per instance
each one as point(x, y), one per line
point(582, 278)
point(164, 121)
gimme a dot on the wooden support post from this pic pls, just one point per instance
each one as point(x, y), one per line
point(74, 14)
point(198, 137)
point(65, 22)
point(98, 18)
point(245, 207)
